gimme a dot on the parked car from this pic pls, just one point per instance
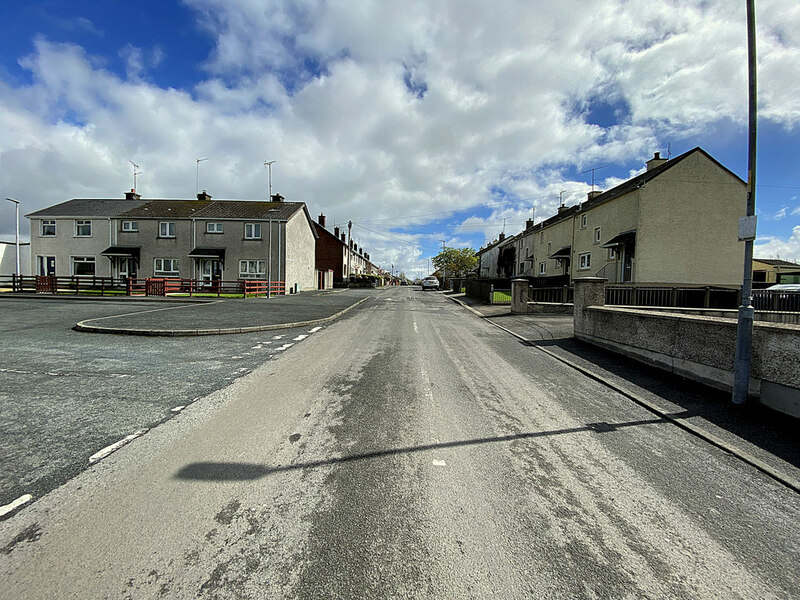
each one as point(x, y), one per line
point(430, 283)
point(785, 287)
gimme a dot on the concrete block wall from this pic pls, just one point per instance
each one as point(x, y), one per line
point(698, 347)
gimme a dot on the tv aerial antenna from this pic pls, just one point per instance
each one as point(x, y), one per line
point(136, 172)
point(592, 170)
point(197, 177)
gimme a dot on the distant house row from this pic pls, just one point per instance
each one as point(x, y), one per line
point(202, 239)
point(675, 223)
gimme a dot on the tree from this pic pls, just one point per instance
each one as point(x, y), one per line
point(456, 262)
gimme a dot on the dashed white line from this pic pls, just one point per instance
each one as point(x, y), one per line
point(278, 337)
point(236, 357)
point(12, 506)
point(284, 347)
point(300, 337)
point(178, 409)
point(115, 446)
point(315, 330)
point(256, 347)
point(439, 463)
point(415, 327)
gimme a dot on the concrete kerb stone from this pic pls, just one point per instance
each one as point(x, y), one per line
point(83, 326)
point(754, 462)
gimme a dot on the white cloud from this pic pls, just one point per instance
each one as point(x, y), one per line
point(408, 108)
point(776, 247)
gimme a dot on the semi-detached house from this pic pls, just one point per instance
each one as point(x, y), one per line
point(192, 239)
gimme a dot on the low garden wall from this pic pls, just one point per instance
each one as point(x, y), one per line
point(698, 347)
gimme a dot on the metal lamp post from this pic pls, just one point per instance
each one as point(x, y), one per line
point(16, 235)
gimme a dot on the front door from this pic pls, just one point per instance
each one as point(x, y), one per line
point(210, 270)
point(47, 265)
point(627, 263)
point(127, 268)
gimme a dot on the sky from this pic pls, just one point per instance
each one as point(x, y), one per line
point(424, 122)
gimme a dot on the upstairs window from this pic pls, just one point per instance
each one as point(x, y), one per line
point(252, 231)
point(584, 221)
point(130, 226)
point(213, 227)
point(83, 229)
point(166, 229)
point(47, 229)
point(596, 235)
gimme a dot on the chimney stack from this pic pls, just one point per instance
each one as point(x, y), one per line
point(277, 198)
point(336, 232)
point(593, 194)
point(528, 223)
point(561, 209)
point(343, 238)
point(655, 161)
point(321, 220)
point(502, 236)
point(132, 195)
point(204, 195)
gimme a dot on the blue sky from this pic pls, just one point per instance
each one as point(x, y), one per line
point(419, 121)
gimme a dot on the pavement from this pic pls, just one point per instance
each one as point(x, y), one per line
point(753, 433)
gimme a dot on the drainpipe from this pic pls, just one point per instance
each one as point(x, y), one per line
point(279, 257)
point(194, 245)
point(269, 262)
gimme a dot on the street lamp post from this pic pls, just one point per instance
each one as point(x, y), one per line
point(16, 235)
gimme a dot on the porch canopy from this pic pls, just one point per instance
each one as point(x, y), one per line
point(122, 252)
point(565, 252)
point(217, 253)
point(620, 239)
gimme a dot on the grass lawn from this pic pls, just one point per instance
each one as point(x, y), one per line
point(501, 297)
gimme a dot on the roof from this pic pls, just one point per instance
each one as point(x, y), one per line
point(776, 262)
point(630, 185)
point(215, 209)
point(88, 207)
point(496, 243)
point(320, 229)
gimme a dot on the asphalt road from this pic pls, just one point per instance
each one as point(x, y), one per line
point(66, 395)
point(410, 450)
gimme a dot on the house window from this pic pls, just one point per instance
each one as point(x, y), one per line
point(549, 248)
point(612, 254)
point(585, 260)
point(541, 238)
point(130, 226)
point(558, 263)
point(542, 268)
point(213, 227)
point(584, 220)
point(596, 235)
point(166, 267)
point(47, 229)
point(252, 269)
point(166, 229)
point(82, 265)
point(252, 231)
point(83, 229)
point(521, 267)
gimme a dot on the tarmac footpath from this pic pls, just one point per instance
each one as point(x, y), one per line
point(228, 316)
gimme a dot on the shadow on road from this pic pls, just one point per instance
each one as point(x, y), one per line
point(229, 471)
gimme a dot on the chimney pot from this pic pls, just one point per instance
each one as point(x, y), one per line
point(204, 195)
point(132, 195)
point(321, 220)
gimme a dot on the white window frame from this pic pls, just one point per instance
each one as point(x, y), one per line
point(130, 226)
point(597, 235)
point(252, 227)
point(541, 237)
point(584, 221)
point(549, 248)
point(47, 223)
point(585, 261)
point(82, 223)
point(542, 268)
point(168, 226)
point(73, 260)
point(612, 253)
point(174, 267)
point(252, 269)
point(214, 227)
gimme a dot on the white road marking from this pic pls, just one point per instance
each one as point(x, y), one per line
point(115, 446)
point(178, 408)
point(236, 357)
point(315, 330)
point(278, 337)
point(255, 348)
point(300, 337)
point(439, 463)
point(284, 347)
point(415, 327)
point(4, 510)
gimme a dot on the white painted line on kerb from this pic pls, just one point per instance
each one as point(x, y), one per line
point(178, 409)
point(315, 330)
point(300, 337)
point(115, 446)
point(439, 463)
point(4, 510)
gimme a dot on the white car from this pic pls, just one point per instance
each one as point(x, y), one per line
point(784, 287)
point(430, 283)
